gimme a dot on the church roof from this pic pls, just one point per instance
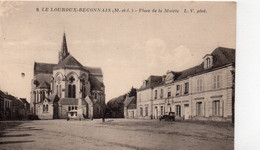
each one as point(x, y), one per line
point(71, 101)
point(69, 61)
point(43, 85)
point(42, 80)
point(47, 68)
point(95, 83)
point(64, 47)
point(53, 98)
point(43, 68)
point(94, 70)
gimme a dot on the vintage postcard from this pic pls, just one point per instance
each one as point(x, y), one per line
point(117, 75)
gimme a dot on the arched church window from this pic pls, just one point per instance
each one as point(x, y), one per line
point(71, 88)
point(43, 95)
point(45, 108)
point(34, 96)
point(83, 88)
point(69, 91)
point(59, 90)
point(37, 97)
point(74, 91)
point(58, 86)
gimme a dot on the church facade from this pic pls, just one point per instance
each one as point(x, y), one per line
point(67, 89)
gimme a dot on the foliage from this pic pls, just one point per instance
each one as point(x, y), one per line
point(115, 106)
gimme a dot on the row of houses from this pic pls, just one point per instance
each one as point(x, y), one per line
point(203, 92)
point(13, 108)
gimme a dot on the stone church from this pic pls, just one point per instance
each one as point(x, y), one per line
point(67, 89)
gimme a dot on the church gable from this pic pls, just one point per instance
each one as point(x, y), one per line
point(69, 61)
point(42, 80)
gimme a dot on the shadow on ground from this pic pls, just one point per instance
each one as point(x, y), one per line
point(12, 142)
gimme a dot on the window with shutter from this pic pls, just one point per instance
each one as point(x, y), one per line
point(216, 82)
point(199, 108)
point(216, 108)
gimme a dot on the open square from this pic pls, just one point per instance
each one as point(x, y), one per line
point(117, 134)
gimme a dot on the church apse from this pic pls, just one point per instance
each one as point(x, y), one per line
point(70, 89)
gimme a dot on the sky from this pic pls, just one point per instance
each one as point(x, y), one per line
point(129, 47)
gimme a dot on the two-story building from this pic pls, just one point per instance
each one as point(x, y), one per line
point(203, 92)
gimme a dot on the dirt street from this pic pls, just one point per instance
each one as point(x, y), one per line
point(116, 134)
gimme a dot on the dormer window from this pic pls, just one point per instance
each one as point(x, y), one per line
point(169, 77)
point(208, 61)
point(144, 83)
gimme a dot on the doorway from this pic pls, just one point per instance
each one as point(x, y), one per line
point(156, 113)
point(186, 111)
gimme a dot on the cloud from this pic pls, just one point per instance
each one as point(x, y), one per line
point(155, 57)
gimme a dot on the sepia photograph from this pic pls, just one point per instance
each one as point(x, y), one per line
point(117, 75)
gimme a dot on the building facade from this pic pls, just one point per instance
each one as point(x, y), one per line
point(130, 107)
point(203, 92)
point(13, 108)
point(6, 106)
point(67, 89)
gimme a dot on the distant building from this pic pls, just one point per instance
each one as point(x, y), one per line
point(6, 105)
point(18, 109)
point(26, 107)
point(130, 107)
point(13, 108)
point(203, 92)
point(67, 89)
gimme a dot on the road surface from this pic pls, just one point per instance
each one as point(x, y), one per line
point(116, 134)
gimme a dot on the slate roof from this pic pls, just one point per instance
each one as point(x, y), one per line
point(152, 81)
point(130, 102)
point(8, 96)
point(43, 85)
point(42, 80)
point(69, 61)
point(221, 57)
point(94, 70)
point(43, 72)
point(53, 98)
point(45, 68)
point(24, 100)
point(2, 94)
point(95, 83)
point(71, 101)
